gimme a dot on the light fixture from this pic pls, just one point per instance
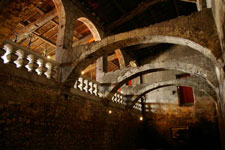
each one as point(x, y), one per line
point(141, 118)
point(48, 57)
point(82, 72)
point(110, 111)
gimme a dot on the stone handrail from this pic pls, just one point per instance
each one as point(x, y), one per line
point(92, 87)
point(88, 86)
point(119, 98)
point(33, 62)
point(137, 105)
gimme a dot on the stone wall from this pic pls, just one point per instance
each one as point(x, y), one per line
point(33, 116)
point(199, 119)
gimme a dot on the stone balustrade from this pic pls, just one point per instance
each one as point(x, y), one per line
point(88, 86)
point(119, 98)
point(92, 87)
point(33, 62)
point(22, 57)
point(137, 105)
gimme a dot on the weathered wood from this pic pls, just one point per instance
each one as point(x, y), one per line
point(82, 41)
point(92, 67)
point(130, 15)
point(36, 25)
point(45, 40)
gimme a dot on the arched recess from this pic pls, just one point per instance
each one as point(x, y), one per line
point(197, 83)
point(97, 37)
point(91, 27)
point(120, 77)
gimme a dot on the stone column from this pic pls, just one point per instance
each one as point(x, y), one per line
point(101, 67)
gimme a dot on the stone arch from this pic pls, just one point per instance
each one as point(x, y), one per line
point(173, 32)
point(91, 27)
point(63, 28)
point(190, 82)
point(119, 77)
point(97, 37)
point(185, 30)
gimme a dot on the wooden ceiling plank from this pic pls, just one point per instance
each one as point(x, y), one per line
point(49, 30)
point(40, 11)
point(36, 25)
point(84, 31)
point(130, 15)
point(82, 41)
point(92, 67)
point(45, 40)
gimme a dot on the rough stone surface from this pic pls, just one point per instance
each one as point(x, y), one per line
point(140, 90)
point(163, 118)
point(36, 117)
point(190, 30)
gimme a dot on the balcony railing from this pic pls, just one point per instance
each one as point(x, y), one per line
point(33, 62)
point(22, 57)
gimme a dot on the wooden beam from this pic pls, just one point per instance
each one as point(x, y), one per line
point(82, 41)
point(49, 30)
point(92, 67)
point(40, 11)
point(36, 25)
point(84, 31)
point(45, 40)
point(130, 15)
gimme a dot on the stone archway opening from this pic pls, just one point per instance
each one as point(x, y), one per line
point(86, 32)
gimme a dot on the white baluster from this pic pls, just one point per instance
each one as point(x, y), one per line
point(75, 85)
point(121, 99)
point(95, 91)
point(80, 86)
point(8, 53)
point(86, 85)
point(19, 60)
point(30, 64)
point(40, 66)
point(113, 98)
point(49, 70)
point(91, 87)
point(118, 98)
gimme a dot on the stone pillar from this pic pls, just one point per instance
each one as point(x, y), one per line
point(101, 67)
point(209, 3)
point(65, 36)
